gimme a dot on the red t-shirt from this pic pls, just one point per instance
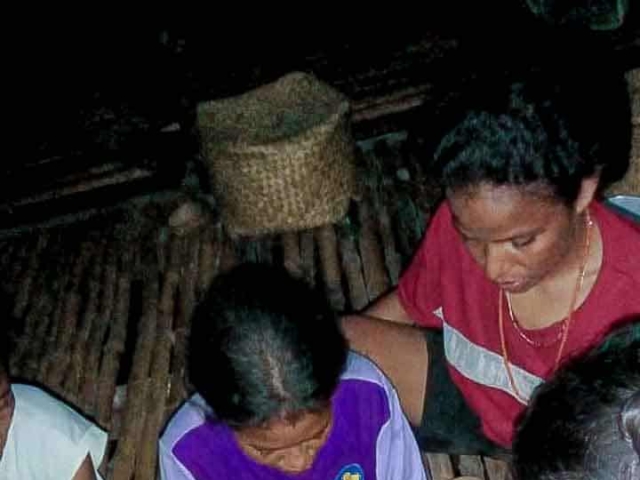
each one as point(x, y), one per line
point(444, 287)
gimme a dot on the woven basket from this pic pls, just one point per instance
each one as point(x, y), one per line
point(280, 157)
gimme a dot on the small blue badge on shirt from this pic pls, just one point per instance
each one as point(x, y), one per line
point(351, 472)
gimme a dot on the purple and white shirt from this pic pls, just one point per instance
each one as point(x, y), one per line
point(370, 438)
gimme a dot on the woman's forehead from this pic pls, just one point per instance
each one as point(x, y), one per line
point(533, 191)
point(283, 433)
point(489, 208)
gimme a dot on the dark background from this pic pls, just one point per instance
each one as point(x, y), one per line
point(92, 87)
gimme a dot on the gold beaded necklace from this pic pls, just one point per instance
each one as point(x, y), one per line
point(566, 324)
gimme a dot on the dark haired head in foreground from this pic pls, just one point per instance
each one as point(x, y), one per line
point(278, 395)
point(585, 422)
point(264, 346)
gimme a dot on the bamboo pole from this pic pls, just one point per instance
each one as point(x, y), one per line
point(330, 264)
point(26, 283)
point(409, 225)
point(630, 184)
point(116, 342)
point(188, 286)
point(229, 255)
point(382, 162)
point(29, 361)
point(36, 318)
point(352, 266)
point(19, 263)
point(75, 374)
point(24, 358)
point(48, 355)
point(138, 385)
point(307, 256)
point(44, 356)
point(372, 258)
point(103, 320)
point(471, 465)
point(163, 247)
point(497, 469)
point(393, 260)
point(146, 455)
point(396, 102)
point(440, 466)
point(291, 253)
point(62, 358)
point(210, 253)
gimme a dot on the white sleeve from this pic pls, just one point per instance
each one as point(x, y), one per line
point(397, 452)
point(170, 466)
point(48, 438)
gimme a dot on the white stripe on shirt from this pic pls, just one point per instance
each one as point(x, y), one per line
point(482, 365)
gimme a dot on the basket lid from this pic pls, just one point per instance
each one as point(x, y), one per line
point(285, 108)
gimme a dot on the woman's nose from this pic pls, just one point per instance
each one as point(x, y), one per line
point(298, 459)
point(496, 262)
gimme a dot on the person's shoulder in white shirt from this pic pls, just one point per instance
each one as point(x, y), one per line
point(49, 439)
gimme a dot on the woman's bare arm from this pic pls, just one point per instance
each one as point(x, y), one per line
point(388, 307)
point(385, 333)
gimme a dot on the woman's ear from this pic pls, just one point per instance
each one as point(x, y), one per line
point(588, 191)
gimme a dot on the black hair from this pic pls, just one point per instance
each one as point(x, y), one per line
point(551, 128)
point(264, 345)
point(584, 423)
